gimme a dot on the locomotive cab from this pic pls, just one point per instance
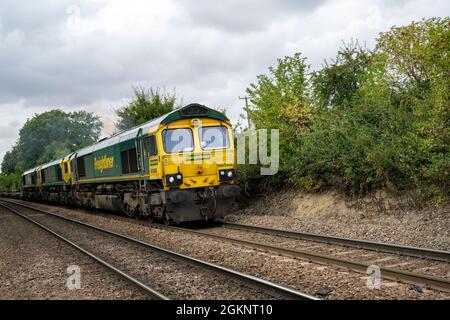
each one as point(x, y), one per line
point(198, 168)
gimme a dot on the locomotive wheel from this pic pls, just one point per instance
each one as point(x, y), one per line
point(166, 220)
point(127, 210)
point(129, 214)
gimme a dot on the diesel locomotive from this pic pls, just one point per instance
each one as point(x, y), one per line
point(179, 167)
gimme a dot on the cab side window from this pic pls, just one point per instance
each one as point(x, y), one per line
point(150, 146)
point(81, 167)
point(59, 173)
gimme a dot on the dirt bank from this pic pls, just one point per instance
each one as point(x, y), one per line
point(381, 216)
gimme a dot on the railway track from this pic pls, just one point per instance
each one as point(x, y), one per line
point(152, 292)
point(328, 258)
point(333, 256)
point(433, 254)
point(86, 231)
point(320, 255)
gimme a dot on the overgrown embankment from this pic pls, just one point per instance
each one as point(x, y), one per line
point(369, 120)
point(389, 216)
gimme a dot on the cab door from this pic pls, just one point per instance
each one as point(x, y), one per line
point(152, 158)
point(65, 169)
point(39, 178)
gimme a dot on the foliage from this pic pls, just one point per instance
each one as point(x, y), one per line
point(369, 119)
point(10, 161)
point(281, 97)
point(146, 105)
point(281, 101)
point(46, 137)
point(418, 53)
point(10, 182)
point(336, 83)
point(417, 56)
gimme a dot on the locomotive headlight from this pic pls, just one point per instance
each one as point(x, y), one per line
point(226, 175)
point(196, 122)
point(174, 179)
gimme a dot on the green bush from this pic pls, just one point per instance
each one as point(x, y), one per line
point(10, 182)
point(368, 120)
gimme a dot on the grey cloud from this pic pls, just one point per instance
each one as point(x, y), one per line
point(209, 51)
point(8, 131)
point(42, 67)
point(67, 73)
point(244, 15)
point(35, 17)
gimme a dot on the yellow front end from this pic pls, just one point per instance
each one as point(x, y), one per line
point(198, 164)
point(66, 170)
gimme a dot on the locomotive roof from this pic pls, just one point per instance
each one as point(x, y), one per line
point(53, 163)
point(43, 166)
point(192, 110)
point(29, 171)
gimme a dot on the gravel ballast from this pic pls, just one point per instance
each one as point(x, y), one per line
point(302, 275)
point(407, 263)
point(33, 265)
point(174, 278)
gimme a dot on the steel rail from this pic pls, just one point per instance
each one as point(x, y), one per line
point(252, 281)
point(109, 266)
point(386, 273)
point(439, 255)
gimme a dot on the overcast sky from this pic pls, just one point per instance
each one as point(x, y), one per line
point(87, 54)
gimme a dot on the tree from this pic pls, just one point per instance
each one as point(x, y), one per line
point(50, 135)
point(10, 161)
point(417, 58)
point(281, 97)
point(145, 106)
point(418, 52)
point(280, 100)
point(84, 129)
point(378, 118)
point(11, 182)
point(337, 82)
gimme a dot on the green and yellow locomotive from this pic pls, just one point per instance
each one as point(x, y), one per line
point(179, 167)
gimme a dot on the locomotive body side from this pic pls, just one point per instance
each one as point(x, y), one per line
point(29, 185)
